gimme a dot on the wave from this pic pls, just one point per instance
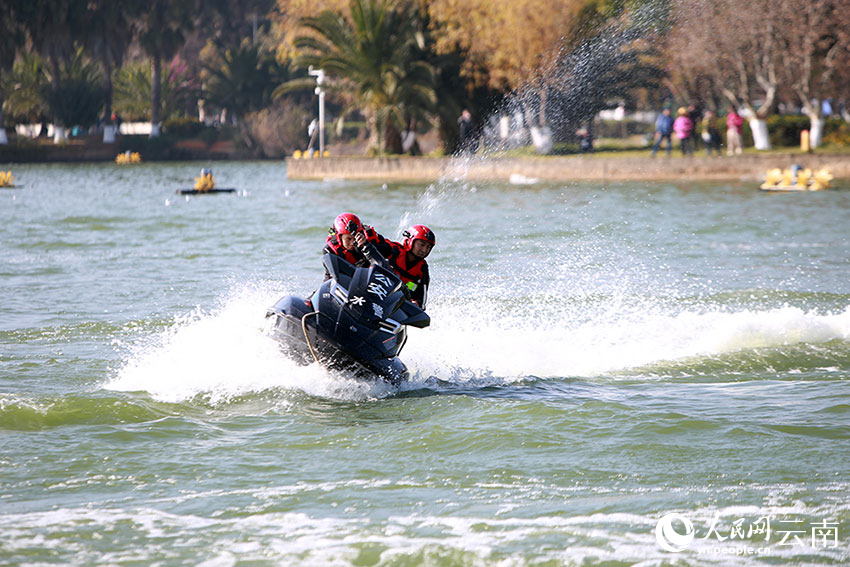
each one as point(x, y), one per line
point(30, 413)
point(496, 340)
point(223, 354)
point(220, 355)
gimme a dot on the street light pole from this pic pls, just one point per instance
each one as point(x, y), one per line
point(320, 78)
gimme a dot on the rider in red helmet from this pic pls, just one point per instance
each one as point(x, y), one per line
point(408, 260)
point(346, 237)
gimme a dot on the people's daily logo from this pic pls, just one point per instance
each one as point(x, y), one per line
point(670, 539)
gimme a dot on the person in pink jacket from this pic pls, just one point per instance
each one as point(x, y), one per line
point(734, 122)
point(684, 129)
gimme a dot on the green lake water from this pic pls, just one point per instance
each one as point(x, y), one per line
point(619, 374)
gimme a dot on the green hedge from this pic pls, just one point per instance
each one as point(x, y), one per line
point(621, 128)
point(183, 127)
point(785, 129)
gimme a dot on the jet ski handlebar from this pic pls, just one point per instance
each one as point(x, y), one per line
point(374, 257)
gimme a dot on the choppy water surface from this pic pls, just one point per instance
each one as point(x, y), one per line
point(601, 356)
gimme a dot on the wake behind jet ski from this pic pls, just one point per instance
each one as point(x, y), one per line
point(355, 322)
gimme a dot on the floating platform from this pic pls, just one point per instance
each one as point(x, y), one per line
point(205, 191)
point(796, 178)
point(786, 188)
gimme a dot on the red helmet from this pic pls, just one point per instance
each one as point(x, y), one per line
point(418, 232)
point(347, 223)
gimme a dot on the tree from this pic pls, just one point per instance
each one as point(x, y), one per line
point(516, 41)
point(286, 21)
point(228, 22)
point(11, 40)
point(614, 56)
point(79, 97)
point(372, 54)
point(241, 80)
point(530, 49)
point(162, 27)
point(24, 88)
point(108, 37)
point(745, 54)
point(52, 26)
point(513, 39)
point(134, 88)
point(814, 47)
point(761, 50)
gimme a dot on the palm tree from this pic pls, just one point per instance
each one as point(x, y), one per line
point(134, 88)
point(241, 79)
point(52, 26)
point(162, 27)
point(374, 54)
point(109, 36)
point(11, 40)
point(24, 88)
point(80, 97)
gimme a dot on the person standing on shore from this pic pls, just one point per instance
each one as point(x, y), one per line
point(466, 130)
point(684, 128)
point(710, 134)
point(734, 122)
point(663, 129)
point(695, 113)
point(312, 130)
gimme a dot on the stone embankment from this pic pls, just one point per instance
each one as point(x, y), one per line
point(566, 168)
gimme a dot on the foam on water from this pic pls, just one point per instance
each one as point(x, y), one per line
point(472, 539)
point(224, 353)
point(485, 341)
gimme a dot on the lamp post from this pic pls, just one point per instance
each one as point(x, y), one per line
point(320, 78)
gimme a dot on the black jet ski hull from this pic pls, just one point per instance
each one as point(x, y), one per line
point(294, 325)
point(356, 322)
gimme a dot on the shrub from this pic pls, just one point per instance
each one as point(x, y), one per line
point(209, 136)
point(160, 147)
point(621, 128)
point(183, 127)
point(276, 131)
point(784, 129)
point(836, 132)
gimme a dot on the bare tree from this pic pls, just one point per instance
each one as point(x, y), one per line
point(814, 46)
point(734, 49)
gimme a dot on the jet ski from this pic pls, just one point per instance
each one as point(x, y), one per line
point(356, 322)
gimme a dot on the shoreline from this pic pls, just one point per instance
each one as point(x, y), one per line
point(562, 168)
point(594, 167)
point(89, 149)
